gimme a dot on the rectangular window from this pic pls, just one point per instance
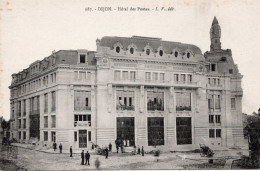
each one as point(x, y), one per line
point(45, 135)
point(218, 133)
point(24, 135)
point(132, 75)
point(125, 75)
point(19, 108)
point(75, 136)
point(82, 58)
point(53, 100)
point(176, 78)
point(183, 130)
point(155, 76)
point(53, 121)
point(211, 133)
point(45, 121)
point(53, 136)
point(162, 77)
point(155, 100)
point(217, 101)
point(183, 78)
point(117, 75)
point(46, 103)
point(183, 101)
point(82, 100)
point(189, 78)
point(147, 76)
point(211, 118)
point(54, 77)
point(89, 135)
point(210, 102)
point(20, 123)
point(124, 100)
point(218, 118)
point(213, 67)
point(24, 107)
point(19, 135)
point(233, 103)
point(24, 123)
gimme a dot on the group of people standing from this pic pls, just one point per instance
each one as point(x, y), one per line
point(125, 143)
point(55, 147)
point(86, 156)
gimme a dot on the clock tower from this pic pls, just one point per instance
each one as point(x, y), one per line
point(215, 34)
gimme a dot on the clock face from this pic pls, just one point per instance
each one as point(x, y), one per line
point(105, 61)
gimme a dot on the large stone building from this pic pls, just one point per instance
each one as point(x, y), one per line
point(144, 90)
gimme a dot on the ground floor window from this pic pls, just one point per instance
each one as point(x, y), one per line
point(75, 136)
point(24, 135)
point(53, 136)
point(45, 135)
point(89, 135)
point(218, 133)
point(183, 128)
point(155, 131)
point(126, 130)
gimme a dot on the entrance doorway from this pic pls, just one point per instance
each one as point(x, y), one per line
point(155, 131)
point(184, 135)
point(126, 129)
point(83, 138)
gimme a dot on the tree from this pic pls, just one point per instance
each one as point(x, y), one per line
point(5, 125)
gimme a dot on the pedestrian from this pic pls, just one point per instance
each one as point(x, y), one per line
point(97, 163)
point(82, 157)
point(70, 151)
point(138, 150)
point(54, 146)
point(142, 150)
point(106, 150)
point(60, 147)
point(87, 158)
point(110, 146)
point(117, 147)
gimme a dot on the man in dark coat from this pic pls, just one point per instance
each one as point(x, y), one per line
point(82, 157)
point(142, 150)
point(70, 151)
point(138, 150)
point(87, 158)
point(60, 147)
point(106, 150)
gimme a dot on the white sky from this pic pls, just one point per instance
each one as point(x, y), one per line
point(30, 30)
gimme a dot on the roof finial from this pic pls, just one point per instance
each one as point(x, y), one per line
point(215, 20)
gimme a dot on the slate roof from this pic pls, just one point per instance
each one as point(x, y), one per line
point(141, 42)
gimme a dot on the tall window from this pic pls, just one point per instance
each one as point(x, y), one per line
point(82, 100)
point(24, 135)
point(183, 101)
point(24, 107)
point(46, 103)
point(19, 123)
point(53, 121)
point(162, 77)
point(53, 136)
point(211, 118)
point(75, 136)
point(218, 133)
point(45, 135)
point(183, 78)
point(82, 58)
point(189, 78)
point(19, 108)
point(24, 123)
point(132, 75)
point(147, 76)
point(217, 102)
point(125, 100)
point(117, 75)
point(211, 133)
point(53, 101)
point(155, 76)
point(218, 119)
point(155, 100)
point(176, 78)
point(213, 67)
point(89, 135)
point(45, 121)
point(125, 75)
point(233, 103)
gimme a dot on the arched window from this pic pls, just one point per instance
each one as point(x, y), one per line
point(132, 50)
point(117, 49)
point(147, 51)
point(161, 53)
point(176, 54)
point(188, 55)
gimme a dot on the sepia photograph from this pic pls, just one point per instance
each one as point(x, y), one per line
point(129, 85)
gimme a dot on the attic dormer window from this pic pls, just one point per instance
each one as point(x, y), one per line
point(82, 58)
point(132, 50)
point(188, 55)
point(117, 49)
point(147, 51)
point(223, 59)
point(161, 53)
point(176, 54)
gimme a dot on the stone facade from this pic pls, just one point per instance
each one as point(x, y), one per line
point(143, 90)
